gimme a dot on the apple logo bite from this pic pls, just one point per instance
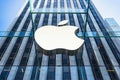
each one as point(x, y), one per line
point(55, 39)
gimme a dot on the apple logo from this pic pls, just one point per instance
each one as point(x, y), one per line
point(58, 39)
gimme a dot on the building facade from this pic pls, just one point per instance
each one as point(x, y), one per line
point(112, 24)
point(101, 55)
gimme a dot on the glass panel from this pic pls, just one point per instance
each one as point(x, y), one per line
point(79, 34)
point(100, 34)
point(57, 10)
point(16, 33)
point(61, 72)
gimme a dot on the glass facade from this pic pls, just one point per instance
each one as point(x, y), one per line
point(111, 22)
point(101, 54)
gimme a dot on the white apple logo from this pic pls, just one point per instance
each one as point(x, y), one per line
point(55, 39)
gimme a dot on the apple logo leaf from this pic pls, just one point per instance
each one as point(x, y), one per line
point(62, 23)
point(53, 39)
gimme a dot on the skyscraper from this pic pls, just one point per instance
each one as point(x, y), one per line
point(112, 24)
point(101, 55)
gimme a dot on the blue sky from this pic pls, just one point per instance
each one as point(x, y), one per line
point(8, 11)
point(109, 8)
point(10, 8)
